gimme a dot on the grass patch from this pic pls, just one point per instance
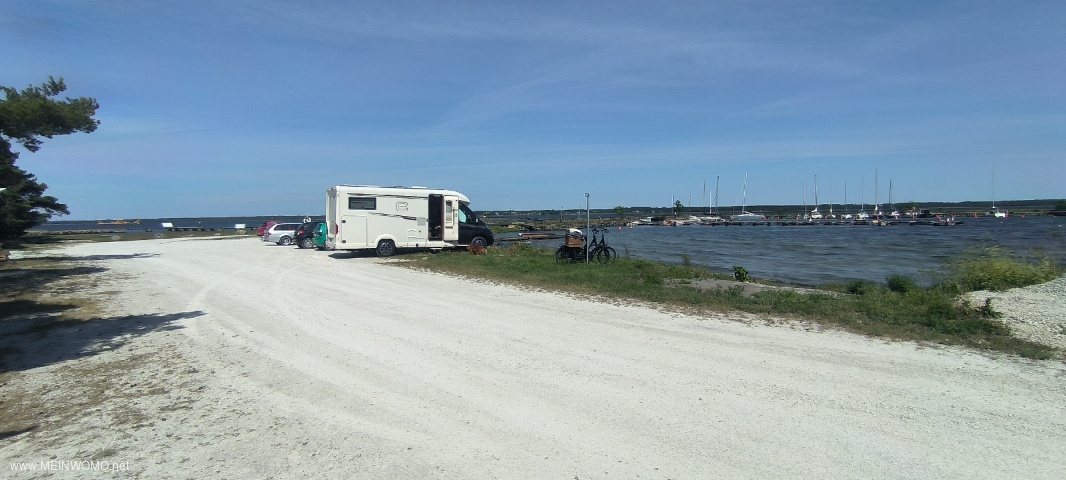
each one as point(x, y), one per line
point(899, 309)
point(47, 286)
point(995, 268)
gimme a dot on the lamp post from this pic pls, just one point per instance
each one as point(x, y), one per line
point(588, 227)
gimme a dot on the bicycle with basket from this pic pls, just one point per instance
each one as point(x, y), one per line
point(575, 249)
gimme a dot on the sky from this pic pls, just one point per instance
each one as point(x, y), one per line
point(256, 107)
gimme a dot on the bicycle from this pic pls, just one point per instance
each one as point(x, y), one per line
point(575, 248)
point(600, 251)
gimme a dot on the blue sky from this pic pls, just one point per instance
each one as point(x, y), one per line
point(256, 107)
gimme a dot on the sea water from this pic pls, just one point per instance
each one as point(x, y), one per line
point(821, 254)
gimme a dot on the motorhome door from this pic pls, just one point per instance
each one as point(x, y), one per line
point(451, 218)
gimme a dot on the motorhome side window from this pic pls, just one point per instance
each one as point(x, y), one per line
point(362, 203)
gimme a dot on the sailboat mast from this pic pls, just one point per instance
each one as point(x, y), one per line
point(744, 195)
point(846, 209)
point(890, 207)
point(830, 196)
point(717, 179)
point(877, 201)
point(816, 193)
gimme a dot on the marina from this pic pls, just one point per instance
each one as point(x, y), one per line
point(782, 222)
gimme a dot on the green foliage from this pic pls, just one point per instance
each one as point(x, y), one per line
point(901, 284)
point(987, 311)
point(995, 268)
point(498, 229)
point(740, 274)
point(861, 287)
point(734, 292)
point(522, 249)
point(25, 117)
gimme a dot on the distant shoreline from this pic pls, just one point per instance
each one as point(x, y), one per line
point(1020, 207)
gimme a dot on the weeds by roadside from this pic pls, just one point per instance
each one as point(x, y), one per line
point(899, 309)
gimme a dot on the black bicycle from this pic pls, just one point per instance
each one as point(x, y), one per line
point(600, 251)
point(575, 249)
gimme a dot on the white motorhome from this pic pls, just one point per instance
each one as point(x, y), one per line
point(367, 217)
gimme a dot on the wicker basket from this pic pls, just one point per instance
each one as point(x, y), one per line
point(577, 242)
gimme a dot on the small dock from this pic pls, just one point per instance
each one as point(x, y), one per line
point(524, 236)
point(170, 227)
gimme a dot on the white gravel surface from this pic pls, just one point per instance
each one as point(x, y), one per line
point(229, 358)
point(1036, 313)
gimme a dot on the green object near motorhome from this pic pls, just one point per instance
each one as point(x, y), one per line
point(320, 237)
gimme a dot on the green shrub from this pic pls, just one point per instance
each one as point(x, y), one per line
point(901, 284)
point(994, 268)
point(861, 287)
point(740, 274)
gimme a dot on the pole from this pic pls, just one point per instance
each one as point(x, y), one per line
point(588, 227)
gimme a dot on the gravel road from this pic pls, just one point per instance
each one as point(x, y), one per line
point(230, 358)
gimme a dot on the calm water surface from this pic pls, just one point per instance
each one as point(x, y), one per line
point(820, 254)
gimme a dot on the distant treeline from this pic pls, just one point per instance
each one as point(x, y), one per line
point(1016, 207)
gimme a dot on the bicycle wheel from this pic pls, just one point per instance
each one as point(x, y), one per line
point(561, 255)
point(605, 255)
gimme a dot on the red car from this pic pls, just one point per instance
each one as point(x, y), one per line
point(264, 227)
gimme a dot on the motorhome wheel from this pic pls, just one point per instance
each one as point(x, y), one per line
point(386, 248)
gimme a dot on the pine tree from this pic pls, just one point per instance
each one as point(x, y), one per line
point(25, 117)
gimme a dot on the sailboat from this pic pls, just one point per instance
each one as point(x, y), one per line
point(862, 216)
point(830, 216)
point(815, 215)
point(847, 210)
point(895, 213)
point(712, 217)
point(994, 212)
point(878, 214)
point(745, 215)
